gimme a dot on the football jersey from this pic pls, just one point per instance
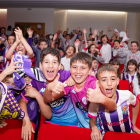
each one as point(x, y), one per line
point(79, 99)
point(118, 120)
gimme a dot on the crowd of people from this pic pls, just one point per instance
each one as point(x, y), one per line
point(70, 78)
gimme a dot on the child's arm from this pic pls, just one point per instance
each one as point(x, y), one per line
point(73, 39)
point(127, 32)
point(45, 108)
point(95, 96)
point(27, 128)
point(76, 43)
point(11, 50)
point(135, 111)
point(95, 134)
point(107, 31)
point(24, 42)
point(54, 90)
point(9, 70)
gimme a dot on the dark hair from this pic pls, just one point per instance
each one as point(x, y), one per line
point(89, 47)
point(138, 75)
point(82, 57)
point(64, 32)
point(112, 36)
point(8, 76)
point(117, 62)
point(132, 62)
point(12, 36)
point(3, 28)
point(42, 40)
point(93, 58)
point(117, 41)
point(89, 34)
point(52, 51)
point(110, 61)
point(72, 47)
point(68, 35)
point(106, 67)
point(103, 37)
point(9, 27)
point(135, 42)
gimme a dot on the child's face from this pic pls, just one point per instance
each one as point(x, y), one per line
point(67, 37)
point(89, 43)
point(50, 67)
point(116, 45)
point(90, 37)
point(93, 49)
point(113, 38)
point(108, 82)
point(27, 80)
point(104, 40)
point(131, 67)
point(94, 64)
point(116, 66)
point(70, 51)
point(43, 45)
point(20, 49)
point(79, 72)
point(11, 40)
point(9, 81)
point(134, 47)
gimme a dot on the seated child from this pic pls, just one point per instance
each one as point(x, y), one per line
point(130, 72)
point(116, 64)
point(136, 83)
point(80, 68)
point(20, 46)
point(118, 120)
point(94, 66)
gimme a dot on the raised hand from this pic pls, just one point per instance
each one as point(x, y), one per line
point(55, 37)
point(101, 32)
point(4, 36)
point(56, 86)
point(30, 32)
point(18, 32)
point(94, 95)
point(84, 31)
point(78, 29)
point(31, 92)
point(58, 29)
point(94, 33)
point(12, 67)
point(76, 43)
point(45, 34)
point(109, 27)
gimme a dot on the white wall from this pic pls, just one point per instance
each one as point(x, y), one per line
point(3, 18)
point(43, 15)
point(60, 18)
point(137, 27)
point(98, 20)
point(131, 22)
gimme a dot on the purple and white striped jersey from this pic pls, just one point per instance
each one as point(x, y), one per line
point(118, 120)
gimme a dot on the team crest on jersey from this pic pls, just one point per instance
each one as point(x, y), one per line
point(84, 100)
point(125, 110)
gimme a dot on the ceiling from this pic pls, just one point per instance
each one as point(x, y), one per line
point(107, 5)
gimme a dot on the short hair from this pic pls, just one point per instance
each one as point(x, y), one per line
point(9, 27)
point(3, 28)
point(68, 35)
point(131, 62)
point(103, 37)
point(42, 40)
point(89, 34)
point(106, 67)
point(93, 58)
point(72, 47)
point(52, 51)
point(82, 57)
point(135, 42)
point(117, 41)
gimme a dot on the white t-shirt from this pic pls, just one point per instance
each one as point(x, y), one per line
point(66, 63)
point(106, 53)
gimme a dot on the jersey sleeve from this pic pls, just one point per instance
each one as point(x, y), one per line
point(133, 100)
point(93, 110)
point(64, 75)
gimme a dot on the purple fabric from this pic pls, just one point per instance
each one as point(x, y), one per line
point(9, 107)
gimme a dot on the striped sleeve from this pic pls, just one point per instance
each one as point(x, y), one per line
point(93, 110)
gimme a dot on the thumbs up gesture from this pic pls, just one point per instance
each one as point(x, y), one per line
point(95, 95)
point(56, 86)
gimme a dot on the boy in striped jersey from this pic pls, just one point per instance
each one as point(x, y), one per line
point(118, 120)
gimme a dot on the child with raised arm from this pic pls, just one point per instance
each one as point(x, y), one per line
point(67, 41)
point(80, 68)
point(118, 120)
point(20, 46)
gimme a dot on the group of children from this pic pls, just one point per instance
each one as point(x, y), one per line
point(79, 89)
